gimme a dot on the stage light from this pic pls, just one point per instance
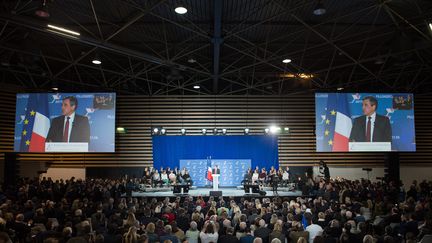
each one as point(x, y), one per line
point(63, 30)
point(191, 60)
point(155, 130)
point(180, 10)
point(286, 129)
point(274, 129)
point(319, 9)
point(196, 87)
point(287, 60)
point(204, 131)
point(183, 131)
point(430, 26)
point(340, 88)
point(163, 131)
point(224, 131)
point(246, 131)
point(54, 88)
point(42, 10)
point(96, 60)
point(121, 130)
point(266, 130)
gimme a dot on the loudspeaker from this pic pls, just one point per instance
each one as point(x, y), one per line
point(177, 188)
point(255, 188)
point(262, 193)
point(215, 193)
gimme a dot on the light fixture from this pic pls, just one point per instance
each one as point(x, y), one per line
point(155, 131)
point(42, 10)
point(191, 60)
point(204, 131)
point(319, 9)
point(274, 129)
point(180, 10)
point(163, 131)
point(54, 27)
point(287, 60)
point(340, 88)
point(224, 131)
point(430, 26)
point(286, 129)
point(54, 88)
point(96, 60)
point(379, 61)
point(196, 87)
point(266, 130)
point(183, 131)
point(246, 131)
point(121, 130)
point(215, 131)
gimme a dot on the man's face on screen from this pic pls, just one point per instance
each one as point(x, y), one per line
point(368, 108)
point(67, 109)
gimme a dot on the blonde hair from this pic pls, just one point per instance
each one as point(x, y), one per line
point(302, 240)
point(150, 228)
point(278, 227)
point(131, 236)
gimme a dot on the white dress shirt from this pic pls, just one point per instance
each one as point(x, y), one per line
point(373, 116)
point(71, 120)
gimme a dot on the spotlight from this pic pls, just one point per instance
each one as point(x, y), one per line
point(191, 60)
point(246, 131)
point(204, 131)
point(224, 131)
point(54, 88)
point(183, 131)
point(430, 26)
point(155, 130)
point(42, 10)
point(287, 60)
point(340, 88)
point(274, 129)
point(63, 30)
point(196, 87)
point(266, 130)
point(121, 130)
point(96, 60)
point(180, 10)
point(286, 129)
point(319, 9)
point(163, 131)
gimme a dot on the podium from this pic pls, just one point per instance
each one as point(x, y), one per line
point(369, 146)
point(215, 182)
point(66, 147)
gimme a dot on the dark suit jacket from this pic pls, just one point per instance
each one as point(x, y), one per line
point(80, 130)
point(382, 129)
point(263, 233)
point(216, 171)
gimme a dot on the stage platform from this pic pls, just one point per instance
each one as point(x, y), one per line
point(205, 192)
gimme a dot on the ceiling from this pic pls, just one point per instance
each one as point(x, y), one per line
point(227, 47)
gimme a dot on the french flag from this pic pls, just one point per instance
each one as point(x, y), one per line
point(36, 125)
point(343, 124)
point(209, 170)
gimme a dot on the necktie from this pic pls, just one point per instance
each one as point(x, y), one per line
point(368, 130)
point(66, 131)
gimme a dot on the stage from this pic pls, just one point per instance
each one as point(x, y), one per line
point(205, 192)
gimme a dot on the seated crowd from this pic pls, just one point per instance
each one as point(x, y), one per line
point(94, 211)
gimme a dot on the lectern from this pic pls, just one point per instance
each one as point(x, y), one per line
point(215, 182)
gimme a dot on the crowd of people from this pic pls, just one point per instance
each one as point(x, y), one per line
point(94, 210)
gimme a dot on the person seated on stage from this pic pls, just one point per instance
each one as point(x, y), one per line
point(187, 178)
point(164, 177)
point(285, 177)
point(262, 176)
point(255, 176)
point(172, 178)
point(156, 178)
point(147, 178)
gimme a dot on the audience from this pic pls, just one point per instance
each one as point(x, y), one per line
point(100, 210)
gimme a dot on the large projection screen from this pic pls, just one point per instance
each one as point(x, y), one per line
point(65, 122)
point(364, 122)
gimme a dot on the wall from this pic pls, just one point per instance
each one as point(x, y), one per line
point(139, 113)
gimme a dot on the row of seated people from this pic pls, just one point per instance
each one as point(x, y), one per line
point(260, 176)
point(166, 177)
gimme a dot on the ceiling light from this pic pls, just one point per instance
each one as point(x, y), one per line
point(196, 87)
point(204, 131)
point(215, 131)
point(340, 88)
point(286, 129)
point(319, 9)
point(224, 131)
point(63, 30)
point(121, 130)
point(430, 26)
point(96, 60)
point(274, 129)
point(180, 10)
point(54, 88)
point(163, 131)
point(266, 130)
point(42, 10)
point(191, 60)
point(287, 60)
point(183, 131)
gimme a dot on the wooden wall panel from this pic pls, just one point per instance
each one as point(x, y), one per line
point(139, 113)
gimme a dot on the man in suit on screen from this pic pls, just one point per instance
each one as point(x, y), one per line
point(371, 127)
point(69, 127)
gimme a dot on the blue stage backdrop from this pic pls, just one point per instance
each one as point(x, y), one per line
point(261, 151)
